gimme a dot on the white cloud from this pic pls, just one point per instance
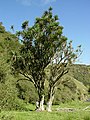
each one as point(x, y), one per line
point(47, 1)
point(35, 2)
point(25, 2)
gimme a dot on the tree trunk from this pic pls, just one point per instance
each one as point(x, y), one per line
point(41, 104)
point(41, 93)
point(50, 99)
point(49, 104)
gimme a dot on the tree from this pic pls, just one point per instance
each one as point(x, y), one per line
point(60, 63)
point(40, 43)
point(2, 28)
point(12, 28)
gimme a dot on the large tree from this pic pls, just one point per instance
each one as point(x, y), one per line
point(40, 43)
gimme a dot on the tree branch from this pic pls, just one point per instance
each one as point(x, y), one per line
point(28, 77)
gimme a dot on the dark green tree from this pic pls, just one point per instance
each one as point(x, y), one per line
point(40, 43)
point(2, 28)
point(12, 28)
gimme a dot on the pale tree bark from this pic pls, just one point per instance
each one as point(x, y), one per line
point(41, 94)
point(49, 104)
point(40, 104)
point(50, 99)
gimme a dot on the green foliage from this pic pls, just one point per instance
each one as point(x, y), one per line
point(2, 75)
point(25, 24)
point(27, 92)
point(6, 116)
point(8, 95)
point(87, 118)
point(8, 92)
point(2, 29)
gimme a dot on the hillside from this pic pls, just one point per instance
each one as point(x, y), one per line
point(75, 84)
point(8, 91)
point(81, 73)
point(13, 95)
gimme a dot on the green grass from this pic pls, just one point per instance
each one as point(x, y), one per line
point(79, 114)
point(74, 104)
point(32, 115)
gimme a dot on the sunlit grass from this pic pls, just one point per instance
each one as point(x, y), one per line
point(31, 114)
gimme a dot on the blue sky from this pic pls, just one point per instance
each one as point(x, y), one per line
point(74, 16)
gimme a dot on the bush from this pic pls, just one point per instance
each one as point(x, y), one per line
point(8, 96)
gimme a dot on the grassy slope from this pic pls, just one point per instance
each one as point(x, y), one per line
point(81, 73)
point(75, 84)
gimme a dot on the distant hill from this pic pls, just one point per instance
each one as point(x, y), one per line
point(75, 85)
point(81, 73)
